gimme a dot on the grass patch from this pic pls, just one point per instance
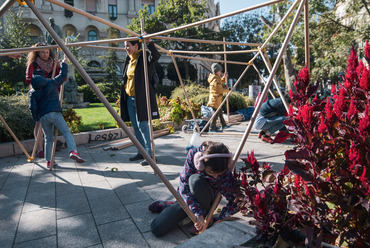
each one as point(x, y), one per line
point(93, 115)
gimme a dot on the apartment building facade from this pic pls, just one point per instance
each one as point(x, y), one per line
point(119, 12)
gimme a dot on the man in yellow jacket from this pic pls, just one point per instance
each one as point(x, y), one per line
point(217, 87)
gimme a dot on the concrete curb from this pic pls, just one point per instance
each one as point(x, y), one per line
point(12, 148)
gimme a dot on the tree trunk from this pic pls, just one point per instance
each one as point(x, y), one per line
point(289, 72)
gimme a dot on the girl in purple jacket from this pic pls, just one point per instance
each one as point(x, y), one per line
point(205, 173)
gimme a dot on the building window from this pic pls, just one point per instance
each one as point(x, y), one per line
point(112, 9)
point(151, 8)
point(112, 12)
point(91, 6)
point(92, 35)
point(68, 13)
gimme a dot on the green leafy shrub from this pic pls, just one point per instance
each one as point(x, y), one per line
point(14, 110)
point(176, 110)
point(164, 90)
point(73, 120)
point(200, 95)
point(109, 90)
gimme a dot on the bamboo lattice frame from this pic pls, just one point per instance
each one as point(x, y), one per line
point(303, 4)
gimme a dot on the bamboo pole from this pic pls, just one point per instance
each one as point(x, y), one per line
point(259, 104)
point(290, 10)
point(227, 96)
point(186, 95)
point(120, 122)
point(14, 51)
point(6, 6)
point(307, 35)
point(146, 78)
point(215, 52)
point(227, 83)
point(39, 134)
point(93, 44)
point(55, 129)
point(206, 59)
point(214, 42)
point(263, 80)
point(268, 65)
point(194, 24)
point(15, 138)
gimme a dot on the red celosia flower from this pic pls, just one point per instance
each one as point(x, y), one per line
point(322, 127)
point(367, 51)
point(363, 178)
point(339, 104)
point(260, 201)
point(253, 162)
point(291, 94)
point(352, 111)
point(347, 84)
point(365, 79)
point(329, 111)
point(244, 180)
point(304, 76)
point(360, 68)
point(354, 156)
point(352, 65)
point(306, 115)
point(333, 89)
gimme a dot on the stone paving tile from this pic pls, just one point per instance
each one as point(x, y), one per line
point(40, 200)
point(63, 188)
point(160, 193)
point(98, 189)
point(120, 234)
point(173, 239)
point(107, 209)
point(18, 193)
point(141, 215)
point(96, 207)
point(39, 243)
point(131, 193)
point(72, 204)
point(8, 229)
point(77, 231)
point(36, 224)
point(42, 182)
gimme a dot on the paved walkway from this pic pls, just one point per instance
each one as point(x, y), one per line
point(88, 205)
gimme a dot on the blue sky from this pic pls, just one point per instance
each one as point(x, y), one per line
point(227, 6)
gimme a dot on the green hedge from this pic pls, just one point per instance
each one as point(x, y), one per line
point(110, 91)
point(14, 109)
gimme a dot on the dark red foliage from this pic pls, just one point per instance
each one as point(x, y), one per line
point(324, 188)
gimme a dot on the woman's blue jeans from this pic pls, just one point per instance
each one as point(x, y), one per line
point(141, 128)
point(274, 123)
point(56, 119)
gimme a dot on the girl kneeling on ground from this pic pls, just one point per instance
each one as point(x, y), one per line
point(205, 173)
